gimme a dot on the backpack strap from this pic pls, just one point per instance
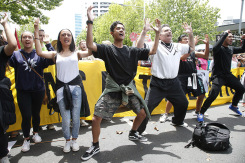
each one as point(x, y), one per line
point(218, 125)
point(192, 143)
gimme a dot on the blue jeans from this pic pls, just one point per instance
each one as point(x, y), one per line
point(75, 112)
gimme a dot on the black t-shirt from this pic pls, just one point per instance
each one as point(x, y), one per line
point(3, 61)
point(189, 66)
point(121, 63)
point(223, 55)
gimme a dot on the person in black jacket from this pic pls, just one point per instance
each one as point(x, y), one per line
point(221, 74)
point(7, 108)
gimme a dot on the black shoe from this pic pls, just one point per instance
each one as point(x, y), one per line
point(90, 152)
point(136, 136)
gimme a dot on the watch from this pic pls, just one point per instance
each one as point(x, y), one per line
point(89, 22)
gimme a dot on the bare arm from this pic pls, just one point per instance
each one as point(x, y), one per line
point(188, 30)
point(206, 51)
point(157, 30)
point(12, 44)
point(185, 56)
point(196, 39)
point(82, 54)
point(146, 28)
point(89, 41)
point(44, 54)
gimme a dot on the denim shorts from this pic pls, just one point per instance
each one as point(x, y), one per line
point(110, 102)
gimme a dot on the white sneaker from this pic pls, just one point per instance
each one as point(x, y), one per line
point(74, 146)
point(164, 118)
point(4, 160)
point(36, 138)
point(67, 147)
point(26, 146)
point(195, 114)
point(182, 125)
point(83, 123)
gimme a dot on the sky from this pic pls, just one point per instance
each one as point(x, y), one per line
point(229, 8)
point(63, 16)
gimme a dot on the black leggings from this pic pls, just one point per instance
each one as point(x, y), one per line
point(228, 80)
point(3, 143)
point(30, 105)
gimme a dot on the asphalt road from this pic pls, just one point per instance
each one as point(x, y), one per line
point(165, 142)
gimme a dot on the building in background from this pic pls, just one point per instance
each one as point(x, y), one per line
point(78, 24)
point(100, 7)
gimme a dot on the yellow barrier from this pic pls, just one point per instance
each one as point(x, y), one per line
point(93, 85)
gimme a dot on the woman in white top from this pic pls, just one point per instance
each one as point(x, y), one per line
point(69, 92)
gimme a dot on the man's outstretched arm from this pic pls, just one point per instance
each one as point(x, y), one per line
point(89, 41)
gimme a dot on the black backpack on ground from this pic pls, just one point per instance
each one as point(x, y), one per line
point(210, 137)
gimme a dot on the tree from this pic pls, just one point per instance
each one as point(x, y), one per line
point(130, 15)
point(172, 12)
point(81, 36)
point(175, 12)
point(22, 10)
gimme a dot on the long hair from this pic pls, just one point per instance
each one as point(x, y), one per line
point(59, 45)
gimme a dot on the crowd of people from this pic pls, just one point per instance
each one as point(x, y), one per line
point(173, 67)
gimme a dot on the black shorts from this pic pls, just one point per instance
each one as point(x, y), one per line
point(196, 92)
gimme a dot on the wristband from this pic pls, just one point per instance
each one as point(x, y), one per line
point(89, 22)
point(37, 38)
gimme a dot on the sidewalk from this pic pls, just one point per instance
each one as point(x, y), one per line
point(165, 142)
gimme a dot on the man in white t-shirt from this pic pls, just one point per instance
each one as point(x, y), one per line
point(164, 82)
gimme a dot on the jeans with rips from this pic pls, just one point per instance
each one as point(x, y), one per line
point(73, 114)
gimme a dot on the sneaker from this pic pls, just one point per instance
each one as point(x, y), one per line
point(235, 109)
point(195, 113)
point(83, 123)
point(67, 147)
point(5, 160)
point(136, 136)
point(181, 125)
point(50, 127)
point(200, 117)
point(26, 145)
point(90, 152)
point(74, 146)
point(164, 118)
point(36, 138)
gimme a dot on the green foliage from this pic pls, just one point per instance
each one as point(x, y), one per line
point(129, 15)
point(81, 36)
point(23, 10)
point(176, 12)
point(172, 12)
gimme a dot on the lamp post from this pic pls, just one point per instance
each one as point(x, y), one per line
point(240, 22)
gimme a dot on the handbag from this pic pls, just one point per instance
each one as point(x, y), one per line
point(45, 99)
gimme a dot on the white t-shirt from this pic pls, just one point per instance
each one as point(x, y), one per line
point(165, 63)
point(67, 70)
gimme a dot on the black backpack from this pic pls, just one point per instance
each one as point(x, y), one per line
point(210, 137)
